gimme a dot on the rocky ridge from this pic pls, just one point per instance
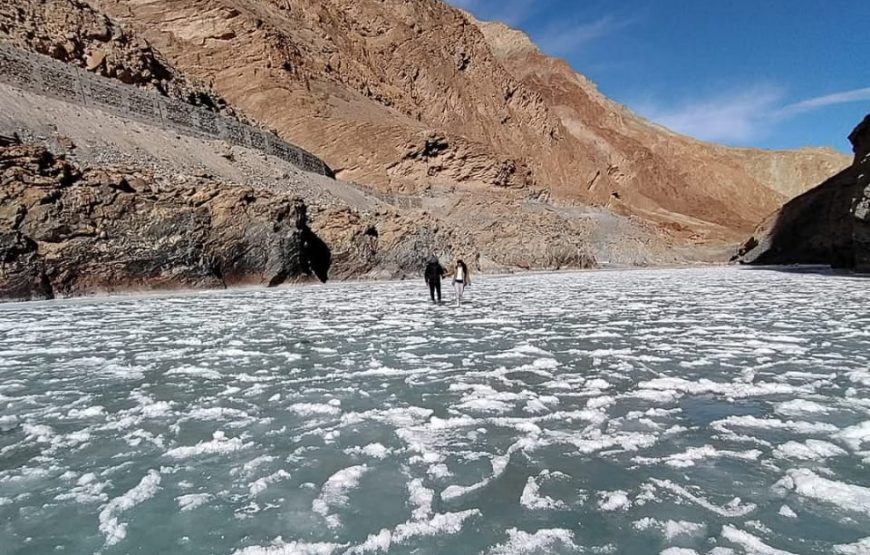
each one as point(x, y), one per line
point(66, 230)
point(74, 32)
point(829, 224)
point(410, 95)
point(369, 236)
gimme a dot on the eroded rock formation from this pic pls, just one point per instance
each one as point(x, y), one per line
point(66, 230)
point(829, 224)
point(409, 94)
point(74, 32)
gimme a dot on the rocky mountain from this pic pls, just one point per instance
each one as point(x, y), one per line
point(417, 96)
point(829, 224)
point(448, 135)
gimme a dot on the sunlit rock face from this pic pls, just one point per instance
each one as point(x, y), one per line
point(697, 411)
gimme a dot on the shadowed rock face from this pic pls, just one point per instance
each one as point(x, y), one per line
point(829, 224)
point(66, 230)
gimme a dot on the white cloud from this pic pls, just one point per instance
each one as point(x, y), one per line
point(843, 97)
point(730, 117)
point(511, 12)
point(739, 116)
point(564, 39)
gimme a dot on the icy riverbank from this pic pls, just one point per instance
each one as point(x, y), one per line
point(711, 411)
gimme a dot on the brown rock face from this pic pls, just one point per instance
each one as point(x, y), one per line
point(66, 230)
point(828, 225)
point(74, 32)
point(405, 95)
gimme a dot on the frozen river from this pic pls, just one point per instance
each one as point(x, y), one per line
point(709, 411)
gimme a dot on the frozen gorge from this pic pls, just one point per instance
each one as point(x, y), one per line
point(701, 411)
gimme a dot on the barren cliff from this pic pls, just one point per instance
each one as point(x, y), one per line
point(829, 224)
point(406, 95)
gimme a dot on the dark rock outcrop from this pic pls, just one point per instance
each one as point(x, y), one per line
point(66, 230)
point(828, 225)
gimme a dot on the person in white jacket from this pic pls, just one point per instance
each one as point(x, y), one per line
point(461, 278)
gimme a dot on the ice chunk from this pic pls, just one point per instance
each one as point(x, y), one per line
point(860, 547)
point(110, 527)
point(734, 508)
point(545, 540)
point(192, 500)
point(334, 491)
point(531, 498)
point(262, 484)
point(750, 543)
point(440, 524)
point(787, 512)
point(614, 500)
point(218, 445)
point(811, 449)
point(807, 483)
point(280, 547)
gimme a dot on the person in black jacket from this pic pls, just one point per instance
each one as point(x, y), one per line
point(433, 274)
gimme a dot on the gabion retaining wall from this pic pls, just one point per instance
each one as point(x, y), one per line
point(46, 76)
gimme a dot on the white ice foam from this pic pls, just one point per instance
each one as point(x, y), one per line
point(733, 508)
point(811, 449)
point(438, 525)
point(89, 412)
point(531, 498)
point(373, 450)
point(280, 547)
point(855, 436)
point(195, 372)
point(614, 501)
point(694, 454)
point(87, 490)
point(314, 409)
point(193, 500)
point(262, 484)
point(421, 498)
point(860, 547)
point(545, 540)
point(787, 512)
point(801, 407)
point(726, 389)
point(797, 426)
point(672, 529)
point(751, 544)
point(110, 527)
point(807, 483)
point(218, 445)
point(334, 492)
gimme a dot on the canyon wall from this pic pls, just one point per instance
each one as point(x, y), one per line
point(409, 95)
point(829, 224)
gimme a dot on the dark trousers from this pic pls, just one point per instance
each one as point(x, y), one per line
point(435, 285)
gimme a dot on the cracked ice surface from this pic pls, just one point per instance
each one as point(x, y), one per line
point(708, 411)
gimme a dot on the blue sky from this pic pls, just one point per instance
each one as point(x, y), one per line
point(764, 73)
